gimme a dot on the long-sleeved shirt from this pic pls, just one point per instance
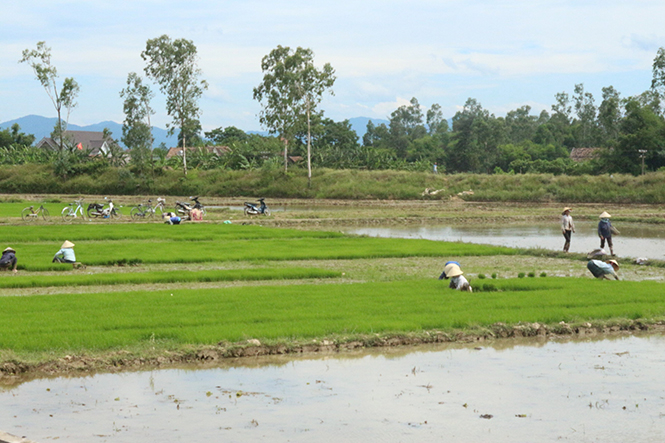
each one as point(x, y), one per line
point(67, 254)
point(567, 223)
point(600, 269)
point(605, 228)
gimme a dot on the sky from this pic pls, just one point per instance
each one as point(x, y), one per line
point(504, 54)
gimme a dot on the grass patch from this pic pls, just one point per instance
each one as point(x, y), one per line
point(38, 256)
point(207, 316)
point(32, 281)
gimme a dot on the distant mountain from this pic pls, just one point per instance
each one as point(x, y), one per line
point(42, 127)
point(359, 124)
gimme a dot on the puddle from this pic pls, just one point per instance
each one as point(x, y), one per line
point(604, 390)
point(635, 240)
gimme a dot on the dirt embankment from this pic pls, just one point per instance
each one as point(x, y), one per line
point(15, 371)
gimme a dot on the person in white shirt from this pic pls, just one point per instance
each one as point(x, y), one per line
point(567, 227)
point(457, 280)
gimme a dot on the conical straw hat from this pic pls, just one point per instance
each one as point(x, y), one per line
point(566, 209)
point(605, 215)
point(10, 249)
point(455, 271)
point(67, 244)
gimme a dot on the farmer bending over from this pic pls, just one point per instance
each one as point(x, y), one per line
point(457, 280)
point(606, 270)
point(447, 268)
point(8, 260)
point(171, 218)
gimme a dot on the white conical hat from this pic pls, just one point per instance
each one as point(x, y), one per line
point(605, 215)
point(67, 244)
point(9, 249)
point(454, 271)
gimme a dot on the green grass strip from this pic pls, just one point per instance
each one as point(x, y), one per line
point(31, 281)
point(37, 257)
point(100, 321)
point(78, 232)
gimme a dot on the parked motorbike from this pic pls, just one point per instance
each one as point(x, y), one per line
point(96, 210)
point(253, 209)
point(183, 208)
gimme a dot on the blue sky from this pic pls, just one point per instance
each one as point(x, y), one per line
point(505, 54)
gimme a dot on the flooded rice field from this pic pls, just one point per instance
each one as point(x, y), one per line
point(587, 390)
point(635, 240)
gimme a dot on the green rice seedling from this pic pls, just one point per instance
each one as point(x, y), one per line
point(100, 321)
point(37, 256)
point(494, 275)
point(151, 231)
point(532, 274)
point(481, 276)
point(520, 275)
point(103, 279)
point(543, 274)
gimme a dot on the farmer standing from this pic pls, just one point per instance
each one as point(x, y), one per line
point(605, 231)
point(567, 227)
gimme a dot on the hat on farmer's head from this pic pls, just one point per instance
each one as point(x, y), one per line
point(455, 271)
point(9, 249)
point(566, 209)
point(605, 215)
point(614, 263)
point(67, 244)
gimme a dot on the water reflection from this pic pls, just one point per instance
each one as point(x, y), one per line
point(636, 240)
point(593, 390)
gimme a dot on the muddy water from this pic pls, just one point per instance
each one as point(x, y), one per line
point(594, 390)
point(636, 240)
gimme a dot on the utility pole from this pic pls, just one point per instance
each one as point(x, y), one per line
point(643, 153)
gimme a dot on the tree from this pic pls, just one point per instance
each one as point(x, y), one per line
point(292, 86)
point(406, 125)
point(436, 124)
point(39, 60)
point(172, 64)
point(658, 79)
point(225, 136)
point(136, 129)
point(609, 114)
point(521, 125)
point(585, 109)
point(476, 137)
point(14, 137)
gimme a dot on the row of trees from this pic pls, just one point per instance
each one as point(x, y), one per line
point(626, 132)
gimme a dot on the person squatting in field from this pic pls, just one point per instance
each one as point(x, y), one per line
point(604, 270)
point(453, 272)
point(8, 260)
point(65, 254)
point(567, 227)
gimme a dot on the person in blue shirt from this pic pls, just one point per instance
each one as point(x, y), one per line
point(171, 218)
point(605, 231)
point(606, 270)
point(65, 254)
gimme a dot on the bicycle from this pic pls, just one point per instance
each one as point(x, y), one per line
point(30, 214)
point(69, 212)
point(143, 211)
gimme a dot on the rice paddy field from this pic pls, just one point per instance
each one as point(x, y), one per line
point(149, 291)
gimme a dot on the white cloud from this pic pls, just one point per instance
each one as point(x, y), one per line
point(439, 51)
